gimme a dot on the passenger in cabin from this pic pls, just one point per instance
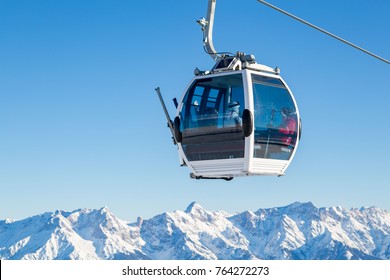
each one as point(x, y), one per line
point(288, 127)
point(194, 115)
point(233, 114)
point(196, 106)
point(283, 136)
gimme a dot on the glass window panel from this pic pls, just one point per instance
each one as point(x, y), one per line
point(275, 119)
point(210, 118)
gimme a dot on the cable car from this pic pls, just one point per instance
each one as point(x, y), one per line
point(238, 119)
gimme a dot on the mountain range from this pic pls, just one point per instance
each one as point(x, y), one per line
point(299, 231)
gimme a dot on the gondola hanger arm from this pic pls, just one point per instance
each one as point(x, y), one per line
point(207, 25)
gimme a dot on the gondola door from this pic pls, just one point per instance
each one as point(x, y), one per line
point(211, 118)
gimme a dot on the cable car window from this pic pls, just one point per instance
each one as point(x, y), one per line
point(256, 79)
point(211, 118)
point(275, 119)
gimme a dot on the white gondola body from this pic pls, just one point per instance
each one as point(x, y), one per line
point(214, 152)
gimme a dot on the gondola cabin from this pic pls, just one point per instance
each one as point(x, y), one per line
point(238, 119)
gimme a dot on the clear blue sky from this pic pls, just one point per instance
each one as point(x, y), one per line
point(81, 125)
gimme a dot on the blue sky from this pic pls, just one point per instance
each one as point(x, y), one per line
point(81, 125)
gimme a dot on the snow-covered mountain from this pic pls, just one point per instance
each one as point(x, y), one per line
point(296, 231)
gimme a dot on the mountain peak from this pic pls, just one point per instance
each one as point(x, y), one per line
point(140, 221)
point(104, 209)
point(307, 205)
point(194, 206)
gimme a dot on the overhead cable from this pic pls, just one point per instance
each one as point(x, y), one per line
point(324, 31)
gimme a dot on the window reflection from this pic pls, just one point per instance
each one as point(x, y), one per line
point(211, 118)
point(275, 120)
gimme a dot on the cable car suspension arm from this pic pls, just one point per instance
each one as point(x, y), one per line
point(324, 31)
point(207, 25)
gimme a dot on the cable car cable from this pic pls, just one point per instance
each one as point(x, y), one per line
point(324, 31)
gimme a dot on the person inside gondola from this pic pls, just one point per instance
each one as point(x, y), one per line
point(288, 127)
point(233, 115)
point(284, 136)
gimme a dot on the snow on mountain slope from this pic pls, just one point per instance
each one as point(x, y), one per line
point(296, 231)
point(194, 234)
point(81, 234)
